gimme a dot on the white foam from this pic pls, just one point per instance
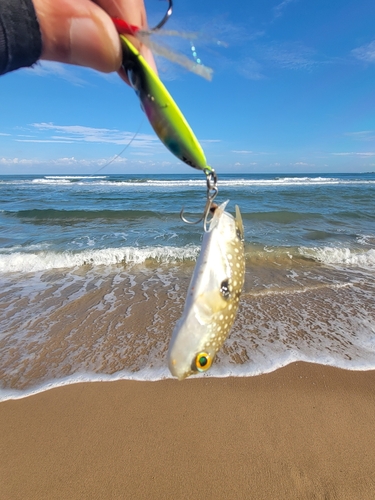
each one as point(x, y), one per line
point(73, 177)
point(341, 256)
point(41, 261)
point(172, 183)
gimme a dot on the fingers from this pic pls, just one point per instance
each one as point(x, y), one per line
point(133, 12)
point(81, 32)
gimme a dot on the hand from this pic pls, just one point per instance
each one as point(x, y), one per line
point(81, 32)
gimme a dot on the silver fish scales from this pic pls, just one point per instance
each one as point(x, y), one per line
point(213, 296)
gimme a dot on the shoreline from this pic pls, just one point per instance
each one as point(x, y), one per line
point(303, 431)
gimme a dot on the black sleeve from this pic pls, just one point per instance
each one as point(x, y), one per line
point(20, 37)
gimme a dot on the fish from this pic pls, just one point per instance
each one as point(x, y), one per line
point(213, 296)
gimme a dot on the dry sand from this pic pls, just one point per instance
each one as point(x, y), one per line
point(305, 431)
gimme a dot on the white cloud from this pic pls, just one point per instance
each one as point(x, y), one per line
point(288, 55)
point(363, 135)
point(241, 151)
point(56, 69)
point(79, 133)
point(61, 162)
point(279, 9)
point(250, 69)
point(365, 53)
point(43, 140)
point(363, 154)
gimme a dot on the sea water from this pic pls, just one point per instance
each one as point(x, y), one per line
point(94, 272)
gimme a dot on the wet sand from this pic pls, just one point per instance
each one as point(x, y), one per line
point(305, 431)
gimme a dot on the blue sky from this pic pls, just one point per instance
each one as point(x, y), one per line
point(293, 91)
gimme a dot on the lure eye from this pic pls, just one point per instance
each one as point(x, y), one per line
point(134, 78)
point(203, 361)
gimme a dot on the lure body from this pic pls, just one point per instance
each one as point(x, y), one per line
point(213, 296)
point(162, 112)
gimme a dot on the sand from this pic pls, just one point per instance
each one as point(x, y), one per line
point(302, 432)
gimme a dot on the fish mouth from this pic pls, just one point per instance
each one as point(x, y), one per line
point(180, 375)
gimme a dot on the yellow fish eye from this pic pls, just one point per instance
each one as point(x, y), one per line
point(203, 361)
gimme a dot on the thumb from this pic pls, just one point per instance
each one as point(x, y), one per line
point(78, 32)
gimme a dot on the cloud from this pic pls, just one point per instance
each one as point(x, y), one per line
point(241, 151)
point(56, 69)
point(288, 55)
point(365, 53)
point(363, 135)
point(1, 133)
point(79, 133)
point(363, 154)
point(279, 9)
point(250, 69)
point(61, 162)
point(43, 140)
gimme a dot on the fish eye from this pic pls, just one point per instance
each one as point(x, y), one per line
point(225, 289)
point(203, 361)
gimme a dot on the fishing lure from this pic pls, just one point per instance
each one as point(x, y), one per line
point(144, 36)
point(162, 112)
point(212, 298)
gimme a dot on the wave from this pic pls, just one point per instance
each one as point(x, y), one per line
point(35, 258)
point(280, 216)
point(341, 256)
point(172, 183)
point(46, 260)
point(74, 177)
point(81, 215)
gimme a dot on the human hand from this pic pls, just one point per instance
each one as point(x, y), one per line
point(81, 32)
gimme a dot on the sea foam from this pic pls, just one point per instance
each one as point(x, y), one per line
point(45, 260)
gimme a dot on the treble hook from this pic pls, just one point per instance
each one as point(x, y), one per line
point(212, 191)
point(165, 18)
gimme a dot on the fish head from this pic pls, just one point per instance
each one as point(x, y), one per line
point(188, 355)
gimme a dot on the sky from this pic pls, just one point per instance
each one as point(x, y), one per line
point(293, 91)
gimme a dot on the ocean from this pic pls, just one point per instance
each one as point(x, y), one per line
point(94, 271)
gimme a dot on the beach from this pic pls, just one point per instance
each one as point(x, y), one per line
point(303, 431)
point(93, 278)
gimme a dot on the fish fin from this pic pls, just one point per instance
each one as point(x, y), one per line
point(239, 223)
